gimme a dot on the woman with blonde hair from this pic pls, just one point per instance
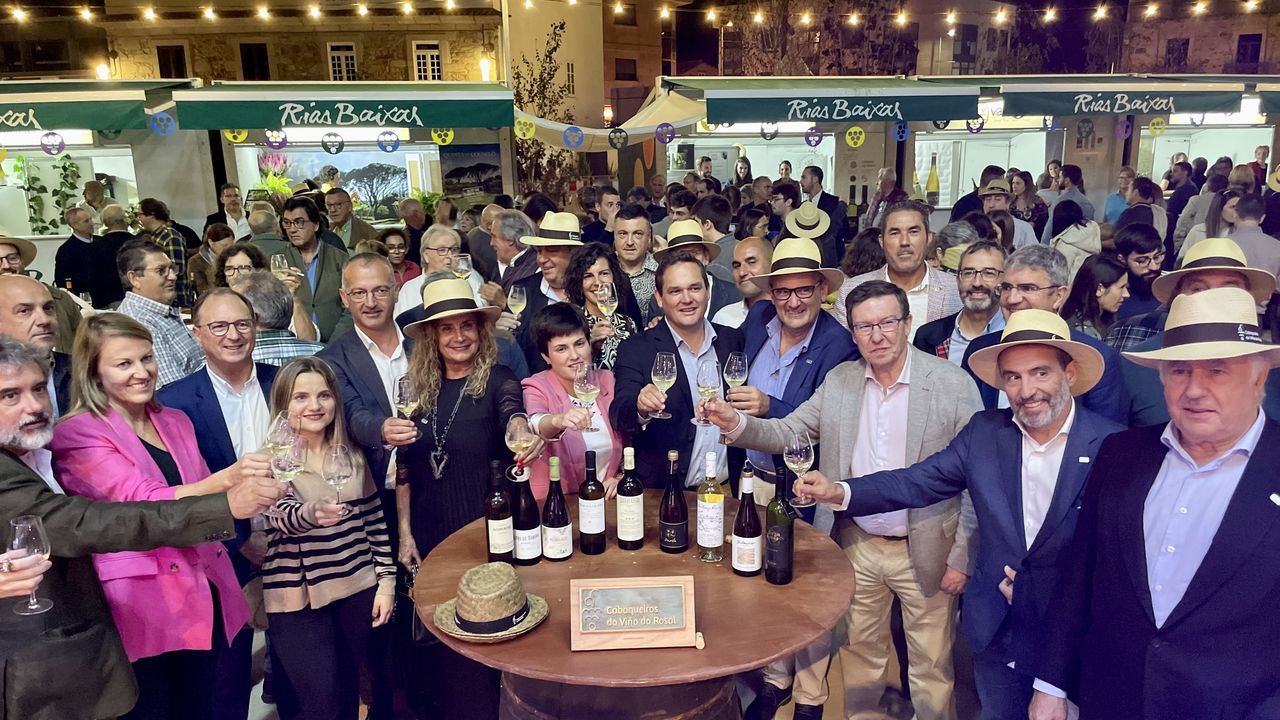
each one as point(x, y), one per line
point(1242, 178)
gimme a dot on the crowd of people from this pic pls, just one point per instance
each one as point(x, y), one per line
point(1043, 430)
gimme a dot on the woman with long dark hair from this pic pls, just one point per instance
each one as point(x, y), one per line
point(1100, 287)
point(742, 172)
point(590, 267)
point(1026, 204)
point(1219, 222)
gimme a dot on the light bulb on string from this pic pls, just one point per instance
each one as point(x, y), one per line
point(1150, 10)
point(711, 15)
point(901, 19)
point(86, 14)
point(805, 19)
point(149, 14)
point(209, 13)
point(1200, 8)
point(617, 8)
point(18, 13)
point(1002, 16)
point(951, 17)
point(853, 19)
point(362, 10)
point(666, 13)
point(264, 13)
point(758, 18)
point(407, 8)
point(1050, 15)
point(450, 5)
point(1100, 13)
point(314, 12)
point(1251, 5)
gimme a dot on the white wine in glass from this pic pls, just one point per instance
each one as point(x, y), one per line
point(586, 386)
point(735, 369)
point(663, 376)
point(280, 435)
point(798, 455)
point(406, 402)
point(27, 537)
point(516, 300)
point(287, 464)
point(607, 298)
point(462, 266)
point(708, 386)
point(280, 266)
point(519, 437)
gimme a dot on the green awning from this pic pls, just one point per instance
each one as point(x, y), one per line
point(268, 106)
point(1112, 97)
point(828, 99)
point(1270, 96)
point(82, 104)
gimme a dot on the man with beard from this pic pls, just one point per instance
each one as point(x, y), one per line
point(1025, 469)
point(1142, 249)
point(981, 269)
point(751, 257)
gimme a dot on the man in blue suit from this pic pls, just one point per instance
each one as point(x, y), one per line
point(1036, 277)
point(1025, 469)
point(228, 401)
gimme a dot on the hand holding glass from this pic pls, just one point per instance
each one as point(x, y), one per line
point(516, 300)
point(519, 437)
point(27, 537)
point(586, 386)
point(735, 369)
point(708, 385)
point(798, 455)
point(663, 376)
point(338, 468)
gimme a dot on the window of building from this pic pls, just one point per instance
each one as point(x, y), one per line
point(255, 64)
point(1248, 50)
point(624, 69)
point(570, 82)
point(342, 61)
point(172, 60)
point(50, 55)
point(10, 56)
point(964, 50)
point(626, 17)
point(428, 63)
point(1175, 52)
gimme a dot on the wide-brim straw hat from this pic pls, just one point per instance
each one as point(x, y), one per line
point(447, 298)
point(684, 234)
point(807, 221)
point(556, 228)
point(1273, 180)
point(1216, 254)
point(1039, 327)
point(26, 248)
point(491, 606)
point(1210, 325)
point(798, 255)
point(997, 186)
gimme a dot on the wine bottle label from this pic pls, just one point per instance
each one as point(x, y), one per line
point(591, 516)
point(710, 522)
point(673, 535)
point(528, 543)
point(501, 539)
point(777, 546)
point(557, 542)
point(630, 517)
point(746, 553)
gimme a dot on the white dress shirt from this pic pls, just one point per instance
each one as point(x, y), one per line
point(40, 461)
point(1040, 465)
point(240, 227)
point(732, 315)
point(881, 443)
point(707, 437)
point(245, 413)
point(390, 370)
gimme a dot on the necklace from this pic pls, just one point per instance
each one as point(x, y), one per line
point(440, 458)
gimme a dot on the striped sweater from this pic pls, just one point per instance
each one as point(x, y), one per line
point(311, 566)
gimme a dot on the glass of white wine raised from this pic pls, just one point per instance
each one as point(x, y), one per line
point(462, 266)
point(607, 299)
point(735, 369)
point(516, 300)
point(406, 399)
point(586, 386)
point(708, 386)
point(518, 436)
point(798, 455)
point(663, 376)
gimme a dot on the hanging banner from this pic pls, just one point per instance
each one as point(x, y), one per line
point(1136, 99)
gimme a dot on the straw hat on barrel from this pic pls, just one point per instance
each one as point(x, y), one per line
point(1039, 327)
point(491, 606)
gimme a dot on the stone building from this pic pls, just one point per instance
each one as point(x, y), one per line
point(1236, 38)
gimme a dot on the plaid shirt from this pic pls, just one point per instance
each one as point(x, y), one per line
point(1133, 331)
point(277, 347)
point(176, 248)
point(177, 354)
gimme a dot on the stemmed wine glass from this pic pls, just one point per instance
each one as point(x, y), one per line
point(27, 537)
point(519, 437)
point(462, 266)
point(607, 299)
point(663, 376)
point(406, 402)
point(338, 468)
point(708, 386)
point(735, 369)
point(586, 386)
point(281, 442)
point(280, 266)
point(288, 462)
point(798, 455)
point(516, 300)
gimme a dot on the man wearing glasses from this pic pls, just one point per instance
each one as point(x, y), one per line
point(232, 213)
point(1142, 249)
point(151, 276)
point(979, 277)
point(319, 262)
point(785, 199)
point(1035, 277)
point(343, 221)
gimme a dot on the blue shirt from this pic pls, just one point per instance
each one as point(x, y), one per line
point(771, 372)
point(312, 275)
point(707, 438)
point(1112, 208)
point(1183, 511)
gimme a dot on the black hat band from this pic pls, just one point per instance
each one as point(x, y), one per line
point(1030, 336)
point(685, 240)
point(1213, 262)
point(1213, 332)
point(808, 226)
point(573, 235)
point(492, 627)
point(441, 306)
point(802, 263)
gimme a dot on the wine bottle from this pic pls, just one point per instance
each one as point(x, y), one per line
point(931, 184)
point(525, 523)
point(591, 510)
point(557, 529)
point(630, 504)
point(710, 515)
point(673, 515)
point(779, 533)
point(747, 540)
point(497, 516)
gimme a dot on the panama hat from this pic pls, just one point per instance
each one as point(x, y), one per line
point(798, 255)
point(1273, 181)
point(491, 606)
point(1039, 327)
point(997, 186)
point(26, 248)
point(556, 228)
point(1216, 254)
point(1210, 325)
point(447, 298)
point(807, 221)
point(684, 233)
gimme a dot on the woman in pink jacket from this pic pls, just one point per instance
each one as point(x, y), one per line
point(178, 610)
point(560, 331)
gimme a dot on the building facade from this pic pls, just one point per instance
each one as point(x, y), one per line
point(1224, 39)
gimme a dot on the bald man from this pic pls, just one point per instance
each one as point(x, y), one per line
point(483, 259)
point(27, 313)
point(751, 257)
point(15, 255)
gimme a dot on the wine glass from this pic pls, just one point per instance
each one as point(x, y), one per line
point(406, 401)
point(287, 463)
point(663, 376)
point(338, 468)
point(280, 265)
point(607, 298)
point(518, 436)
point(586, 386)
point(27, 537)
point(708, 385)
point(798, 455)
point(735, 369)
point(462, 266)
point(516, 300)
point(280, 434)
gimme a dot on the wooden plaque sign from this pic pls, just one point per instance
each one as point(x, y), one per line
point(624, 613)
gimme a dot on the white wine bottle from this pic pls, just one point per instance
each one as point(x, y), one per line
point(710, 515)
point(557, 528)
point(748, 540)
point(630, 504)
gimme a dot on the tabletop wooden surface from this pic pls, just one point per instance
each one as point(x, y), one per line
point(745, 621)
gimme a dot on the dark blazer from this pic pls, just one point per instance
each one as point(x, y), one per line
point(106, 289)
point(483, 259)
point(525, 266)
point(1108, 398)
point(324, 302)
point(509, 353)
point(831, 243)
point(1209, 659)
point(61, 371)
point(69, 663)
point(986, 459)
point(831, 345)
point(652, 440)
point(723, 292)
point(74, 263)
point(935, 337)
point(195, 396)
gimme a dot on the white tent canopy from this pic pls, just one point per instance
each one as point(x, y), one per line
point(660, 107)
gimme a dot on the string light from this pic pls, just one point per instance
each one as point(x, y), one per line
point(149, 14)
point(901, 19)
point(528, 4)
point(449, 5)
point(617, 8)
point(1002, 16)
point(19, 14)
point(86, 14)
point(1100, 13)
point(711, 15)
point(1200, 7)
point(758, 18)
point(209, 14)
point(1050, 15)
point(264, 13)
point(805, 19)
point(1151, 10)
point(853, 19)
point(314, 12)
point(407, 8)
point(362, 10)
point(103, 71)
point(666, 13)
point(951, 17)
point(1251, 5)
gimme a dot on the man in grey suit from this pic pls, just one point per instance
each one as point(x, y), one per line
point(921, 556)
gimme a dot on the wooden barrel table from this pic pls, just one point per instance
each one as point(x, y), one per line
point(745, 622)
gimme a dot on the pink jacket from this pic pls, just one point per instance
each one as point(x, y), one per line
point(543, 393)
point(160, 598)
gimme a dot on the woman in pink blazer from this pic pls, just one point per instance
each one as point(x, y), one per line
point(561, 335)
point(177, 609)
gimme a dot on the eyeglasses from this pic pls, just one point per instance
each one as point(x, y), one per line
point(1147, 260)
point(447, 251)
point(1026, 288)
point(886, 327)
point(14, 259)
point(330, 206)
point(162, 271)
point(300, 223)
point(381, 292)
point(986, 273)
point(219, 328)
point(236, 269)
point(784, 294)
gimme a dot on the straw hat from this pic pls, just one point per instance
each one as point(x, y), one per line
point(556, 228)
point(491, 606)
point(798, 255)
point(1216, 254)
point(807, 221)
point(997, 186)
point(1210, 325)
point(26, 248)
point(1273, 180)
point(684, 233)
point(1039, 327)
point(447, 298)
